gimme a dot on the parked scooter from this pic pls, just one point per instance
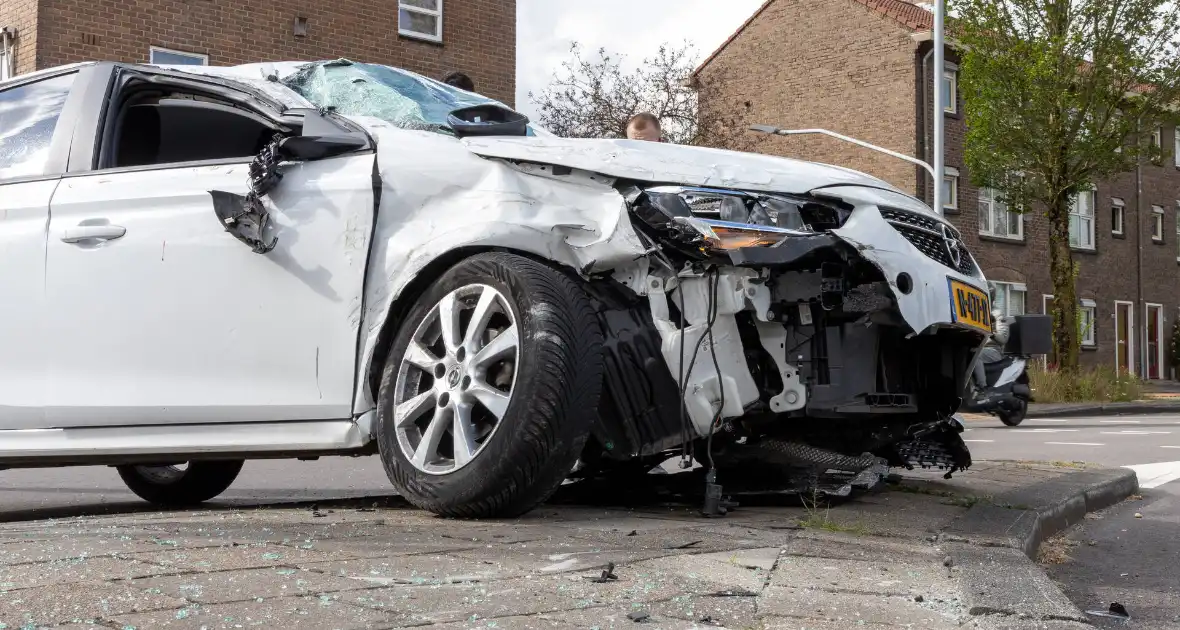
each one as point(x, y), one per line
point(1007, 391)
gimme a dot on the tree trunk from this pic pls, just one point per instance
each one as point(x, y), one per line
point(1065, 298)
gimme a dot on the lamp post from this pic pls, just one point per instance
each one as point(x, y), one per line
point(939, 114)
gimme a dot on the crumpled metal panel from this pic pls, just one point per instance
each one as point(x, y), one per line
point(437, 197)
point(675, 164)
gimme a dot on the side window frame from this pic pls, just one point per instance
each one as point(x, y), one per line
point(57, 160)
point(93, 132)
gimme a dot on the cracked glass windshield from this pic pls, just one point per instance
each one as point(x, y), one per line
point(405, 99)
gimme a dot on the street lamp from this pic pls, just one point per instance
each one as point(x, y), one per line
point(939, 114)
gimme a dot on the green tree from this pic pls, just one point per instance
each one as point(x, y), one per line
point(1059, 95)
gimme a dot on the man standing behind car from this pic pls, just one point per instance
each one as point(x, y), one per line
point(644, 126)
point(460, 80)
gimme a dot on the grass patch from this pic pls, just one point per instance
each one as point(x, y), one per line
point(821, 518)
point(1099, 385)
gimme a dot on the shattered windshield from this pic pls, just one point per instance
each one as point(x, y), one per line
point(405, 99)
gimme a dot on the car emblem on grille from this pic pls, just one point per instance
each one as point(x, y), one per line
point(951, 242)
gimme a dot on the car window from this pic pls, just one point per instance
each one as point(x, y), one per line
point(403, 98)
point(28, 116)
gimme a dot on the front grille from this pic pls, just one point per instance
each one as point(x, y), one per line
point(926, 234)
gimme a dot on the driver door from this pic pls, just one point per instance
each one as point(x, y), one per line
point(160, 315)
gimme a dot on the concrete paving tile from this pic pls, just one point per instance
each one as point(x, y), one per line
point(704, 574)
point(849, 611)
point(249, 585)
point(703, 611)
point(229, 558)
point(422, 570)
point(881, 578)
point(548, 594)
point(382, 546)
point(89, 546)
point(554, 557)
point(61, 603)
point(822, 544)
point(25, 576)
point(314, 613)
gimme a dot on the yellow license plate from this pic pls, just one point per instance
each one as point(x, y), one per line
point(970, 306)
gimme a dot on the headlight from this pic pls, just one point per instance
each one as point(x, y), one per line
point(730, 206)
point(702, 221)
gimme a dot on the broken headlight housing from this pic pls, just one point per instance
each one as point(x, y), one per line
point(706, 221)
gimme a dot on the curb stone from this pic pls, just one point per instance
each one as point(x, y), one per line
point(994, 548)
point(1077, 410)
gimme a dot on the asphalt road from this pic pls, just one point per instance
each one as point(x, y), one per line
point(1113, 556)
point(1131, 560)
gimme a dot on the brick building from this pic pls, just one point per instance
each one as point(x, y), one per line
point(431, 37)
point(864, 68)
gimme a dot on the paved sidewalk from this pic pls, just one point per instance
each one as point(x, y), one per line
point(875, 562)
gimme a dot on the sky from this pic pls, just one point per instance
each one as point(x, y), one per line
point(635, 28)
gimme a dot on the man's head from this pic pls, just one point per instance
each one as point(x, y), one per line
point(460, 80)
point(644, 126)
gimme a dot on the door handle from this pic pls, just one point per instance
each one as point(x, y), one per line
point(92, 233)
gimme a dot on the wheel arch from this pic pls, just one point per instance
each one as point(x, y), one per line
point(416, 287)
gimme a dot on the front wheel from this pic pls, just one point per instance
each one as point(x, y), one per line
point(1014, 418)
point(193, 484)
point(490, 388)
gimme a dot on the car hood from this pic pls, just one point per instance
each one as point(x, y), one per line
point(674, 164)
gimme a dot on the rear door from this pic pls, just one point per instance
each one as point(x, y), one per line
point(161, 315)
point(36, 118)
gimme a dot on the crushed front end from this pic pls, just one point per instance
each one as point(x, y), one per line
point(811, 340)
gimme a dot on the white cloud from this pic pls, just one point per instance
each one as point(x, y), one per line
point(634, 28)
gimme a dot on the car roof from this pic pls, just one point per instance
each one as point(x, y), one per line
point(21, 78)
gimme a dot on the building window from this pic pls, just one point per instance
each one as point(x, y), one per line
point(950, 101)
point(1176, 146)
point(1178, 230)
point(950, 189)
point(995, 219)
point(1118, 216)
point(1157, 224)
point(421, 19)
point(1087, 318)
point(165, 57)
point(1008, 298)
point(1081, 220)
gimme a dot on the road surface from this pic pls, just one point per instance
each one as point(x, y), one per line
point(1131, 561)
point(1114, 557)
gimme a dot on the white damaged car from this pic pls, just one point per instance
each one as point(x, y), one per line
point(202, 265)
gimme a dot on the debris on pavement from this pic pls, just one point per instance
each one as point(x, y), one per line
point(639, 616)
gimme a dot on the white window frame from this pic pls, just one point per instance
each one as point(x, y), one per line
point(182, 53)
point(1089, 337)
point(1157, 223)
point(436, 37)
point(1008, 288)
point(951, 174)
point(951, 74)
point(1075, 211)
point(1115, 202)
point(988, 196)
point(1176, 146)
point(1157, 137)
point(4, 62)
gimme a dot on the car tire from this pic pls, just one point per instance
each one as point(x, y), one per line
point(1014, 418)
point(457, 437)
point(174, 486)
